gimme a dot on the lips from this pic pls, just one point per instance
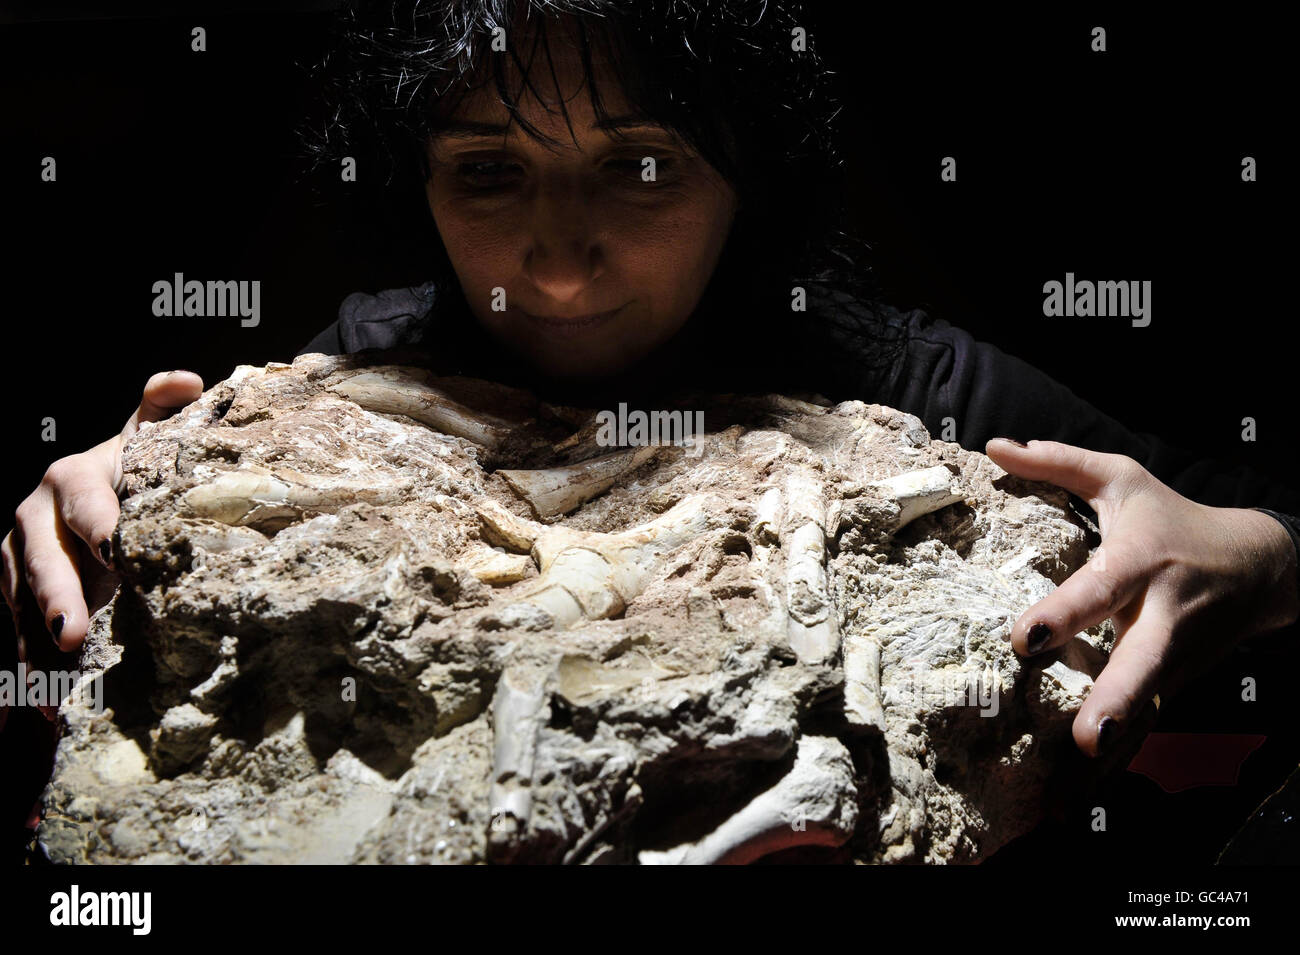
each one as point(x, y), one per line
point(563, 324)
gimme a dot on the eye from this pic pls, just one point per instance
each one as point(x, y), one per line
point(488, 173)
point(633, 168)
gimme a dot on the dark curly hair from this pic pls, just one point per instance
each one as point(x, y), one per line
point(723, 74)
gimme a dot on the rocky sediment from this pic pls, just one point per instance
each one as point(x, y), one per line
point(372, 615)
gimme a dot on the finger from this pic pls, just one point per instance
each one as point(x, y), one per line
point(1128, 682)
point(50, 567)
point(1078, 470)
point(163, 394)
point(9, 581)
point(10, 575)
point(1112, 579)
point(87, 501)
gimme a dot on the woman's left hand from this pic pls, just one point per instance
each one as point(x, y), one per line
point(1182, 582)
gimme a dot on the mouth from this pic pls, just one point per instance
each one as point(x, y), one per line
point(574, 324)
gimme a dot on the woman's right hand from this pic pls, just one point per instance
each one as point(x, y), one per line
point(72, 513)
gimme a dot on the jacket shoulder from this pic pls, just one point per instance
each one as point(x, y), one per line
point(387, 319)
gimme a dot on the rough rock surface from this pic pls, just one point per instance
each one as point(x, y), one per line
point(370, 615)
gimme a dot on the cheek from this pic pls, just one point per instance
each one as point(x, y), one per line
point(484, 245)
point(670, 254)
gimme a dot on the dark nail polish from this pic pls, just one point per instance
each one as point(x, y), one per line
point(1039, 635)
point(1106, 732)
point(1013, 441)
point(106, 552)
point(56, 627)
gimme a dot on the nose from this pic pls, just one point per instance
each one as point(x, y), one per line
point(564, 256)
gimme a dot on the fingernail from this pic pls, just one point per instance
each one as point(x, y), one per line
point(1039, 635)
point(1106, 730)
point(1020, 444)
point(56, 628)
point(106, 552)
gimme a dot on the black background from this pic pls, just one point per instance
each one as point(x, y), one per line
point(1123, 165)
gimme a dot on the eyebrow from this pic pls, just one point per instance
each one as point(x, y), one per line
point(469, 129)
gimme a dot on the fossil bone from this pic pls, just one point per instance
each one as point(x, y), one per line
point(495, 567)
point(257, 497)
point(506, 529)
point(518, 710)
point(812, 628)
point(815, 804)
point(555, 491)
point(917, 493)
point(402, 394)
point(594, 576)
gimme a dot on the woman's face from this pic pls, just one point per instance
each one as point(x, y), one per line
point(597, 266)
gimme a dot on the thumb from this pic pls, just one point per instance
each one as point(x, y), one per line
point(163, 394)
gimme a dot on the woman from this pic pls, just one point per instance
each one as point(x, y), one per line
point(633, 198)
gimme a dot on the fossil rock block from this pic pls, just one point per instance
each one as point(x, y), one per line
point(372, 615)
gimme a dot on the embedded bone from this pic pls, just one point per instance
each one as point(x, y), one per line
point(506, 529)
point(767, 523)
point(815, 804)
point(257, 496)
point(766, 546)
point(519, 708)
point(393, 394)
point(595, 576)
point(812, 629)
point(358, 648)
point(233, 495)
point(555, 491)
point(917, 493)
point(495, 567)
point(862, 696)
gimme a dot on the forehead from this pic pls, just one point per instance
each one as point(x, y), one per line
point(545, 76)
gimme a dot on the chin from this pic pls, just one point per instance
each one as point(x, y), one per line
point(579, 367)
point(598, 356)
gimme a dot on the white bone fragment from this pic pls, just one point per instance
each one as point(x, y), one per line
point(1020, 561)
point(253, 496)
point(388, 393)
point(767, 522)
point(233, 494)
point(784, 404)
point(815, 804)
point(919, 492)
point(581, 679)
point(765, 539)
point(811, 627)
point(594, 576)
point(504, 529)
point(804, 503)
point(518, 711)
point(635, 552)
point(863, 705)
point(1075, 683)
point(495, 568)
point(578, 585)
point(555, 491)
